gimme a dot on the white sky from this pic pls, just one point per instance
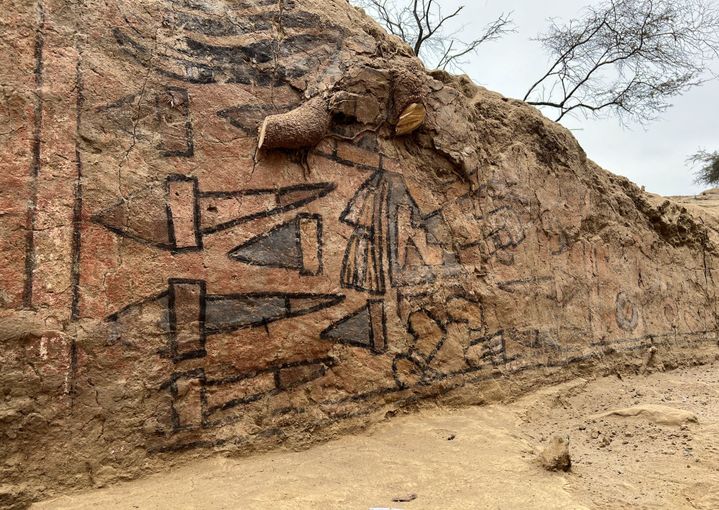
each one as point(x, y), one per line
point(653, 156)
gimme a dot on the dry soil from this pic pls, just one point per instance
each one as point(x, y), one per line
point(640, 442)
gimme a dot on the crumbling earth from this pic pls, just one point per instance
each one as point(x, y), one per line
point(478, 457)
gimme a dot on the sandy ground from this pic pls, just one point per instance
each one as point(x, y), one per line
point(482, 457)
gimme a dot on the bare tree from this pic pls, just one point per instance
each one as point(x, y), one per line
point(708, 171)
point(423, 25)
point(627, 58)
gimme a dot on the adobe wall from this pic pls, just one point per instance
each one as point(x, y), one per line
point(169, 290)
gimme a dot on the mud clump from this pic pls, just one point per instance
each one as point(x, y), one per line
point(653, 413)
point(555, 456)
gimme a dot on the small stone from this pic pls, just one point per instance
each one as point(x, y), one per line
point(406, 498)
point(555, 457)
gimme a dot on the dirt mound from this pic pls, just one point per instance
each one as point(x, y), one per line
point(653, 413)
point(412, 237)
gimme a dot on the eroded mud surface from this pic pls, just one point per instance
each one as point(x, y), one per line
point(478, 457)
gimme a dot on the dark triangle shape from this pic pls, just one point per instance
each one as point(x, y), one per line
point(226, 313)
point(354, 329)
point(280, 247)
point(299, 195)
point(141, 217)
point(412, 256)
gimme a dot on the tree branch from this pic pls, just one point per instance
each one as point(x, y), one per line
point(628, 57)
point(422, 25)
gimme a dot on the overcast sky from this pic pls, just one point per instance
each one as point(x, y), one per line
point(653, 156)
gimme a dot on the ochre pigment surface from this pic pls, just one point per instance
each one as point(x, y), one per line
point(170, 291)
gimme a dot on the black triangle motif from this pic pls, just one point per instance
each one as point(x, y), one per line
point(362, 328)
point(279, 247)
point(354, 329)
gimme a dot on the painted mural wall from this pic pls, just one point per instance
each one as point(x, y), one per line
point(198, 292)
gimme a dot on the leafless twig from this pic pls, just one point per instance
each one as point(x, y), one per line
point(423, 25)
point(627, 58)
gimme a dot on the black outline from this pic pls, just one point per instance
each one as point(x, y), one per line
point(78, 202)
point(383, 320)
point(440, 376)
point(76, 246)
point(334, 157)
point(333, 300)
point(370, 332)
point(97, 218)
point(159, 107)
point(36, 148)
point(414, 355)
point(172, 320)
point(253, 64)
point(415, 335)
point(318, 222)
point(115, 316)
point(405, 396)
point(296, 266)
point(209, 329)
point(233, 403)
point(196, 214)
point(326, 363)
point(627, 324)
point(417, 361)
point(171, 385)
point(371, 237)
point(322, 189)
point(206, 410)
point(417, 219)
point(320, 249)
point(494, 235)
point(389, 193)
point(509, 200)
point(490, 353)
